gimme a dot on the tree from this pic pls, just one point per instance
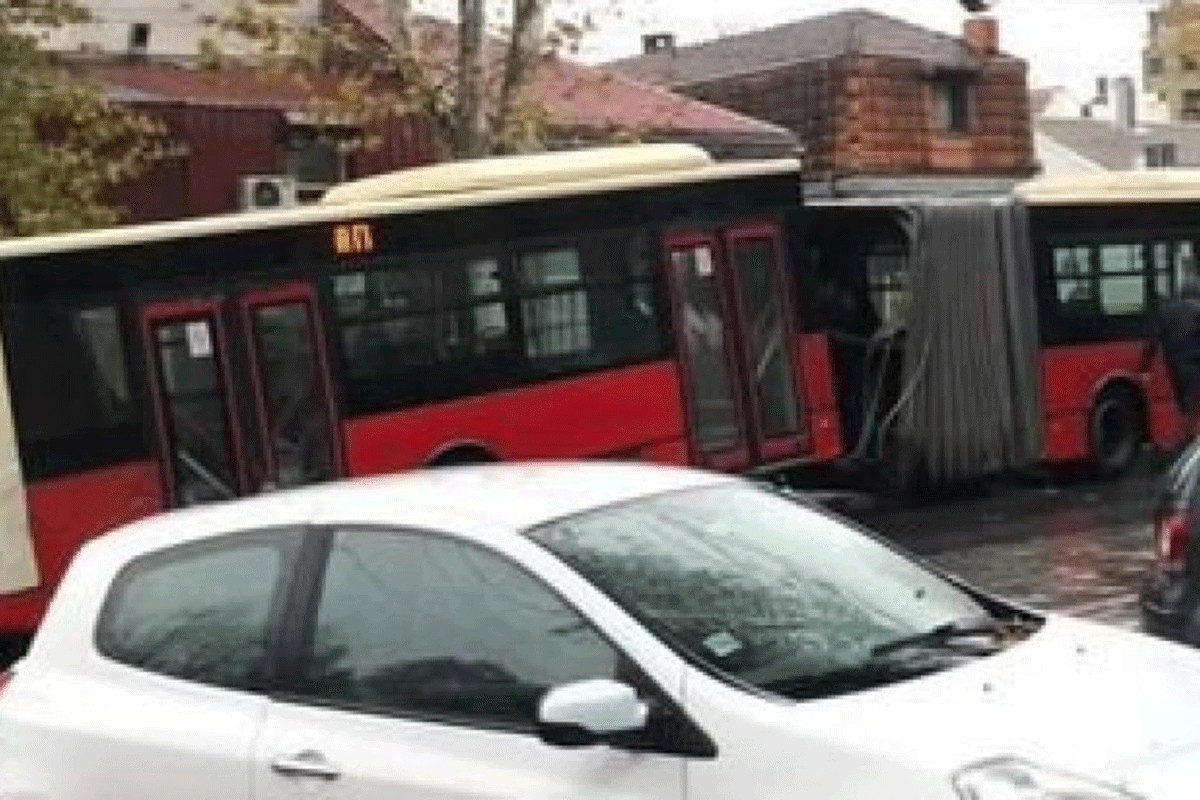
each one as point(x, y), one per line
point(469, 77)
point(63, 145)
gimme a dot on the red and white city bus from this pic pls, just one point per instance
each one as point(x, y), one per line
point(1057, 283)
point(629, 302)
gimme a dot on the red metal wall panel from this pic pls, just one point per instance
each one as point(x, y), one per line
point(219, 145)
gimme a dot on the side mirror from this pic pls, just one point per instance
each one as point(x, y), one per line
point(590, 712)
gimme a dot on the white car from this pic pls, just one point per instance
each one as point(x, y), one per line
point(569, 631)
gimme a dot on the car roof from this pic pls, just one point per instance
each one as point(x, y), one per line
point(480, 501)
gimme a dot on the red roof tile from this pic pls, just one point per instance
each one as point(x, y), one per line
point(574, 96)
point(238, 86)
point(579, 96)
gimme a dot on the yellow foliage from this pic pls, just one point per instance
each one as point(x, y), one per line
point(63, 145)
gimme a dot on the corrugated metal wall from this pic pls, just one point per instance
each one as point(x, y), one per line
point(222, 144)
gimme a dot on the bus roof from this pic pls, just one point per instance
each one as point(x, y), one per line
point(514, 172)
point(1127, 186)
point(441, 187)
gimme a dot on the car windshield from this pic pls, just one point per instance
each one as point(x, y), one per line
point(1181, 477)
point(767, 591)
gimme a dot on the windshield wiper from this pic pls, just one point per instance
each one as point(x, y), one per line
point(867, 675)
point(950, 632)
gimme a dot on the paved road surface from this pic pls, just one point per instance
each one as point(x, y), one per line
point(1079, 548)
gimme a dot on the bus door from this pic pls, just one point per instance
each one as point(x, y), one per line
point(241, 393)
point(732, 306)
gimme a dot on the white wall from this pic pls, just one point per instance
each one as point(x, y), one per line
point(1056, 159)
point(176, 26)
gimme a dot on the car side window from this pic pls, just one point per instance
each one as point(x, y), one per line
point(201, 611)
point(428, 626)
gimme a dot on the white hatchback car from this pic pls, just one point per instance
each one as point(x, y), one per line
point(569, 631)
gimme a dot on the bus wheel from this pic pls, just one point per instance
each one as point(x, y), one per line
point(462, 456)
point(1116, 427)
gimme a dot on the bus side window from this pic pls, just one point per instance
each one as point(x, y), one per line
point(1164, 276)
point(591, 305)
point(1074, 278)
point(1122, 279)
point(94, 424)
point(1185, 263)
point(487, 301)
point(555, 309)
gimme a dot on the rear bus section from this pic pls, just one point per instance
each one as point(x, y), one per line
point(626, 303)
point(1107, 259)
point(974, 337)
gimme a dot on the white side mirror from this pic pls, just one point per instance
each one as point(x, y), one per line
point(585, 712)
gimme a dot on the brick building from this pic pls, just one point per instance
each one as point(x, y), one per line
point(878, 103)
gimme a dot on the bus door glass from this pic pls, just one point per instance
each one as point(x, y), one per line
point(241, 393)
point(296, 421)
point(765, 332)
point(737, 349)
point(706, 349)
point(198, 441)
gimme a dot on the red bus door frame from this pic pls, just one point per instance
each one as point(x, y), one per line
point(239, 423)
point(296, 293)
point(751, 447)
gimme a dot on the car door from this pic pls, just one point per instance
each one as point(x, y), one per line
point(420, 678)
point(173, 705)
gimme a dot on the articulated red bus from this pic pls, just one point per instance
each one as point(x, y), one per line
point(987, 335)
point(629, 302)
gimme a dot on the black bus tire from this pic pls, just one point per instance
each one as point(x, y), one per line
point(463, 456)
point(1116, 430)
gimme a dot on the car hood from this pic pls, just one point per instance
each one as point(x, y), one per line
point(1075, 696)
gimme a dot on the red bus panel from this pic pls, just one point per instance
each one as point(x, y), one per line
point(67, 512)
point(634, 413)
point(1072, 378)
point(820, 397)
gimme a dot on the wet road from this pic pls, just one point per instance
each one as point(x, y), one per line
point(1078, 548)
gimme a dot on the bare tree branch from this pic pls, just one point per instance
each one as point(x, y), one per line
point(472, 79)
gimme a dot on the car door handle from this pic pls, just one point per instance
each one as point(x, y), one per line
point(307, 764)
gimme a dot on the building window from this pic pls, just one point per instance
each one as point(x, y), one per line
point(1154, 65)
point(1159, 156)
point(1187, 63)
point(951, 105)
point(316, 158)
point(1191, 105)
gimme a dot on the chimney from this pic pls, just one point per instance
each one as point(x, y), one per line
point(982, 35)
point(535, 35)
point(1125, 102)
point(656, 43)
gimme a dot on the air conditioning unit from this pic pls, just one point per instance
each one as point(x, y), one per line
point(268, 191)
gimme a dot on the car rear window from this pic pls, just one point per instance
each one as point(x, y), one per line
point(201, 612)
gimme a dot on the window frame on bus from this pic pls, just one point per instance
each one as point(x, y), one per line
point(394, 390)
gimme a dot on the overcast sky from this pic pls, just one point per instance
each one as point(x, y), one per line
point(1067, 42)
